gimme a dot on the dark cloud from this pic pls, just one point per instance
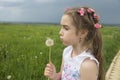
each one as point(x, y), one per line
point(52, 10)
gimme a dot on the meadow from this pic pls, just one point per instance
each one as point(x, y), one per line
point(23, 53)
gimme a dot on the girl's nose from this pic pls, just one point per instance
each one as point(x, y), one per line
point(60, 32)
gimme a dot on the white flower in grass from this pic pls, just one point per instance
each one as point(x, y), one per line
point(49, 42)
point(9, 77)
point(41, 53)
point(36, 57)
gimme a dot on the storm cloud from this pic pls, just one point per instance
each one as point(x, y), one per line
point(52, 10)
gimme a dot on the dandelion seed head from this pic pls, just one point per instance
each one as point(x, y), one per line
point(49, 42)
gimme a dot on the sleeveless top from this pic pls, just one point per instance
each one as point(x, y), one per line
point(71, 67)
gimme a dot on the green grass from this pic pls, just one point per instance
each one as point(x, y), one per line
point(23, 53)
point(111, 44)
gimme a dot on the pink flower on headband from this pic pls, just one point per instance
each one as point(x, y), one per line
point(97, 25)
point(81, 11)
point(90, 10)
point(96, 16)
point(67, 8)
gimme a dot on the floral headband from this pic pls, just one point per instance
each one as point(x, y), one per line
point(81, 11)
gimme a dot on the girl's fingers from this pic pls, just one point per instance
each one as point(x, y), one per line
point(50, 66)
point(48, 69)
point(48, 73)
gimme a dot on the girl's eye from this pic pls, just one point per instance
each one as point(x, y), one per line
point(66, 28)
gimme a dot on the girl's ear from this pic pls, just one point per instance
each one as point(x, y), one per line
point(83, 33)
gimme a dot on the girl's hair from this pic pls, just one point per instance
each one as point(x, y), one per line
point(85, 18)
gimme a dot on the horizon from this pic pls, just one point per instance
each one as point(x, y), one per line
point(106, 24)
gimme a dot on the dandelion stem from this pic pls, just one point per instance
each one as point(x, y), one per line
point(49, 54)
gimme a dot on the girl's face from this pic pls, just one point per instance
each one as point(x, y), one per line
point(68, 31)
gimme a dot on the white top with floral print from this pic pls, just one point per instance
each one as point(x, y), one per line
point(71, 69)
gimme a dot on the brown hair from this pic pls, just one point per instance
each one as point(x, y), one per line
point(93, 38)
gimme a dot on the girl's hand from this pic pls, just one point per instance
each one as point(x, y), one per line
point(50, 71)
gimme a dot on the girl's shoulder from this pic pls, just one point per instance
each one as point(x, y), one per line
point(88, 57)
point(91, 67)
point(89, 62)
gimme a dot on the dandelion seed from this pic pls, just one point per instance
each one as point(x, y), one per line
point(9, 77)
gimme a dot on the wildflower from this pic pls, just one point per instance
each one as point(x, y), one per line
point(9, 77)
point(49, 42)
point(41, 53)
point(36, 57)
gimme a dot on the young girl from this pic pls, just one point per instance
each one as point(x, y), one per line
point(82, 58)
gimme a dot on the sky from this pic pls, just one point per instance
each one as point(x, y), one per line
point(51, 11)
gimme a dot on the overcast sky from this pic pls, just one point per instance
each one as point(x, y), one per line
point(52, 10)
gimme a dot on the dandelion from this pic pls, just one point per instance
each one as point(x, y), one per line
point(49, 42)
point(9, 77)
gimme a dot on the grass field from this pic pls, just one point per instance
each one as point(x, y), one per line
point(23, 53)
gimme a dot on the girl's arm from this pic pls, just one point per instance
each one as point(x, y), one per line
point(89, 70)
point(50, 71)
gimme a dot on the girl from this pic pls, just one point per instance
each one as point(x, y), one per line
point(82, 58)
